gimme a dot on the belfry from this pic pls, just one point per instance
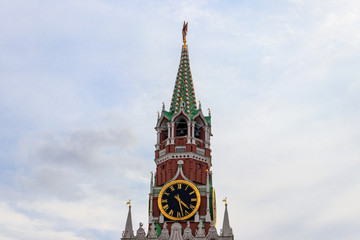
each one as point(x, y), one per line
point(182, 202)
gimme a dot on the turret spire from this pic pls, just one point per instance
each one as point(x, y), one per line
point(184, 87)
point(128, 232)
point(226, 229)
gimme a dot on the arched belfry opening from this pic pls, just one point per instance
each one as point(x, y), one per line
point(199, 129)
point(181, 127)
point(164, 132)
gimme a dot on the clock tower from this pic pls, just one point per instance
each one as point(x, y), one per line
point(182, 203)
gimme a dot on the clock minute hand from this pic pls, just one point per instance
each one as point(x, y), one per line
point(178, 198)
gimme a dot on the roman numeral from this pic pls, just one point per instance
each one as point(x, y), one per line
point(191, 206)
point(186, 187)
point(166, 207)
point(179, 185)
point(172, 188)
point(192, 192)
point(193, 199)
point(167, 194)
point(186, 212)
point(178, 214)
point(164, 200)
point(171, 213)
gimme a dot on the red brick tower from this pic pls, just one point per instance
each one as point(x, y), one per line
point(183, 153)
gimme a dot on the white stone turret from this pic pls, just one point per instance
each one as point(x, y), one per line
point(226, 232)
point(128, 232)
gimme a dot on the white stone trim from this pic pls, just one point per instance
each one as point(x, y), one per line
point(162, 152)
point(200, 151)
point(180, 156)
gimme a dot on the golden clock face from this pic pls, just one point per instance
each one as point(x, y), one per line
point(179, 200)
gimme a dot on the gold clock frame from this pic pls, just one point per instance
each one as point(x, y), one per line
point(198, 197)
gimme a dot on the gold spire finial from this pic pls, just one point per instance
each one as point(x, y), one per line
point(184, 32)
point(129, 203)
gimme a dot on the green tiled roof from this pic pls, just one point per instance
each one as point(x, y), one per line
point(184, 87)
point(169, 116)
point(184, 91)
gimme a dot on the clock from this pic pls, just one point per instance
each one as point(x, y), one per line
point(179, 200)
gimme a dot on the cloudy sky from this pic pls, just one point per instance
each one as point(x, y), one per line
point(81, 82)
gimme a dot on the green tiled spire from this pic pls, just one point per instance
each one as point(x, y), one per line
point(184, 87)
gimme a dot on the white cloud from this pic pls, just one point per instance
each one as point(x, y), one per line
point(81, 84)
point(15, 225)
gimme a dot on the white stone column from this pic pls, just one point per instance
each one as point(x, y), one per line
point(172, 124)
point(169, 133)
point(158, 139)
point(207, 217)
point(207, 137)
point(151, 198)
point(188, 138)
point(193, 132)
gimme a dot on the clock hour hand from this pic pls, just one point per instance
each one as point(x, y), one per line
point(178, 198)
point(184, 204)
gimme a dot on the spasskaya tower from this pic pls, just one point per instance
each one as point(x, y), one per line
point(182, 203)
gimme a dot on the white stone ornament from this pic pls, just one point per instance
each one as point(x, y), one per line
point(200, 232)
point(164, 233)
point(187, 233)
point(152, 233)
point(212, 234)
point(176, 231)
point(140, 233)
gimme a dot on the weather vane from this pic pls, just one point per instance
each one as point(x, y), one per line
point(225, 200)
point(184, 32)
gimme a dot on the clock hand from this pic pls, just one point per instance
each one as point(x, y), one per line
point(178, 198)
point(184, 204)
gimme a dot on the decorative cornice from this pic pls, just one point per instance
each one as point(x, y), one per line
point(170, 156)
